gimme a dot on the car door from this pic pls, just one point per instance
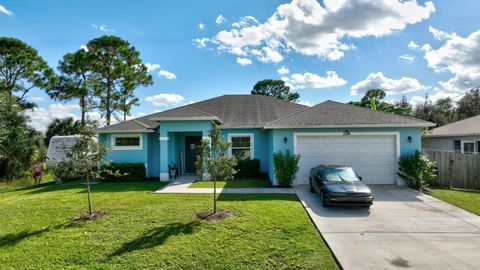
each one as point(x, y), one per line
point(317, 180)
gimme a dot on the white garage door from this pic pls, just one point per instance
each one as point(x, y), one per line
point(373, 157)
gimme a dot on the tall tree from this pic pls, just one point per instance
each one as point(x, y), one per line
point(21, 69)
point(62, 127)
point(373, 99)
point(117, 70)
point(469, 105)
point(75, 81)
point(441, 112)
point(17, 141)
point(274, 88)
point(127, 101)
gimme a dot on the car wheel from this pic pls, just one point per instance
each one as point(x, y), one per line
point(322, 198)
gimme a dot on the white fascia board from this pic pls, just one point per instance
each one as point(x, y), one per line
point(126, 131)
point(355, 126)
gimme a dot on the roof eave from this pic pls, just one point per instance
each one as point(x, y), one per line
point(451, 135)
point(354, 126)
point(126, 131)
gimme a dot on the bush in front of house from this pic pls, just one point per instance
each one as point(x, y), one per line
point(126, 172)
point(285, 167)
point(416, 170)
point(247, 168)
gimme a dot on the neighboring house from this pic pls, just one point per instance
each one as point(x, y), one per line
point(461, 136)
point(258, 126)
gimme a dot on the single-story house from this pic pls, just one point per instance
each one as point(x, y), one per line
point(461, 136)
point(258, 126)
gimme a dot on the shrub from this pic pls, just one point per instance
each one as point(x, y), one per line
point(417, 170)
point(127, 172)
point(248, 168)
point(285, 167)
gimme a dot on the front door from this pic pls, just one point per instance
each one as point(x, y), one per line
point(192, 143)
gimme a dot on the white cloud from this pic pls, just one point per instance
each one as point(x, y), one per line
point(439, 34)
point(243, 61)
point(304, 26)
point(37, 99)
point(102, 28)
point(220, 19)
point(283, 70)
point(306, 103)
point(407, 57)
point(310, 80)
point(458, 56)
point(84, 48)
point(412, 45)
point(40, 118)
point(201, 42)
point(415, 100)
point(201, 26)
point(390, 86)
point(167, 74)
point(152, 67)
point(165, 99)
point(5, 11)
point(426, 47)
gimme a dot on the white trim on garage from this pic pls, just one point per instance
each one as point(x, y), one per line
point(396, 134)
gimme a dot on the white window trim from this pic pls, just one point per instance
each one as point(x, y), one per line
point(252, 142)
point(114, 147)
point(474, 148)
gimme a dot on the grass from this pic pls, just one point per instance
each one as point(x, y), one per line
point(154, 231)
point(466, 199)
point(248, 183)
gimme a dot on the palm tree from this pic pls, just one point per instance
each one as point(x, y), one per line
point(62, 127)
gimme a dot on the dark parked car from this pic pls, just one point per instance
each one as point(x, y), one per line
point(339, 184)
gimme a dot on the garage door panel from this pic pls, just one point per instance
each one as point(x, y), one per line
point(372, 156)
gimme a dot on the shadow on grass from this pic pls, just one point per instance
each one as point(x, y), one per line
point(12, 239)
point(256, 197)
point(157, 236)
point(100, 187)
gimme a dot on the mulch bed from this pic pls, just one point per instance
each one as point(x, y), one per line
point(209, 216)
point(86, 217)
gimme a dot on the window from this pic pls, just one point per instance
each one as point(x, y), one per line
point(242, 146)
point(478, 147)
point(126, 142)
point(468, 147)
point(457, 146)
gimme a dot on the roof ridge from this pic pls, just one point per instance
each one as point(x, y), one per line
point(140, 123)
point(292, 114)
point(200, 111)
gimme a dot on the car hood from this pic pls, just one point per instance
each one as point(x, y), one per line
point(347, 187)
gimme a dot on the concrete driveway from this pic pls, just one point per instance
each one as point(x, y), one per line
point(403, 229)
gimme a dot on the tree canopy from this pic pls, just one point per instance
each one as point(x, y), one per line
point(21, 69)
point(274, 88)
point(469, 104)
point(62, 127)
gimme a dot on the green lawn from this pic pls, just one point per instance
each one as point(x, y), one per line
point(232, 184)
point(466, 199)
point(146, 230)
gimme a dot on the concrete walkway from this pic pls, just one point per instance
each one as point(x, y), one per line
point(403, 229)
point(181, 185)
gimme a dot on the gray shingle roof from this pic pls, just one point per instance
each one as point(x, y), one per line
point(231, 110)
point(466, 127)
point(331, 114)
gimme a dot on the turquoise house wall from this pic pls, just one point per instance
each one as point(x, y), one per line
point(153, 154)
point(278, 135)
point(260, 139)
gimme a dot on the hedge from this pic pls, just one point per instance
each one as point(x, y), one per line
point(248, 168)
point(133, 171)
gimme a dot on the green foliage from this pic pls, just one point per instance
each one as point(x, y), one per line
point(220, 165)
point(373, 100)
point(285, 167)
point(21, 69)
point(276, 89)
point(127, 172)
point(116, 70)
point(417, 170)
point(441, 112)
point(17, 142)
point(62, 127)
point(201, 163)
point(469, 104)
point(248, 168)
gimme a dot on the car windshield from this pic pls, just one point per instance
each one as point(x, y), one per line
point(339, 175)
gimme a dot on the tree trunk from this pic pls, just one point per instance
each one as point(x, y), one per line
point(89, 196)
point(83, 108)
point(107, 103)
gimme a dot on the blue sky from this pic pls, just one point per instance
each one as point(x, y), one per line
point(332, 49)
